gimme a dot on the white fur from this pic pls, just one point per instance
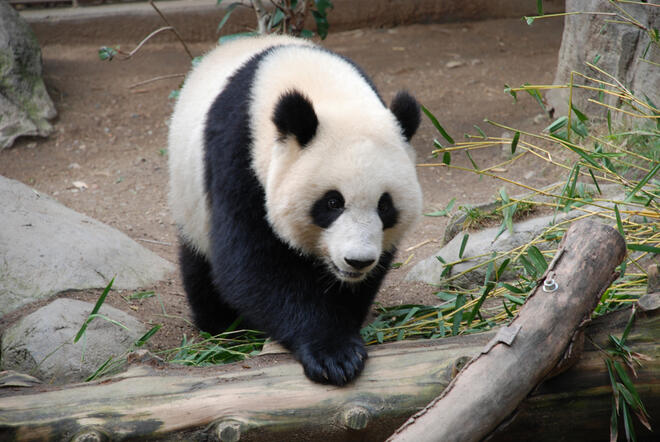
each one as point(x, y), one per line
point(187, 195)
point(358, 150)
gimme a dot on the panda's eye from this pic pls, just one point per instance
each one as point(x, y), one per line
point(334, 204)
point(386, 211)
point(327, 209)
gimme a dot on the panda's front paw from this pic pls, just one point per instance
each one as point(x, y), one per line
point(333, 362)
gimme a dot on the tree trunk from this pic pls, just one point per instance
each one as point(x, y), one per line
point(545, 335)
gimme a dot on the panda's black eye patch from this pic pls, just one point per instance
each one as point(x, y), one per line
point(387, 212)
point(327, 208)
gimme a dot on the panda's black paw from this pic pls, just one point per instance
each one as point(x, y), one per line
point(336, 363)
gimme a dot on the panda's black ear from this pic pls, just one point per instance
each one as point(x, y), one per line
point(294, 115)
point(406, 109)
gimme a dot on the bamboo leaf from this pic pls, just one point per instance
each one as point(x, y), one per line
point(643, 248)
point(228, 12)
point(443, 212)
point(619, 224)
point(437, 125)
point(537, 259)
point(463, 244)
point(458, 316)
point(643, 182)
point(514, 142)
point(97, 306)
point(144, 338)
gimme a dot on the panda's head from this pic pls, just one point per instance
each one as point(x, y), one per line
point(341, 183)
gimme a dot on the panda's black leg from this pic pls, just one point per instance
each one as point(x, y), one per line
point(210, 313)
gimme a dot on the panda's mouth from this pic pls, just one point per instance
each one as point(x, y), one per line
point(347, 276)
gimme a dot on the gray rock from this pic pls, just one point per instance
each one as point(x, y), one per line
point(41, 344)
point(620, 48)
point(481, 244)
point(25, 106)
point(46, 248)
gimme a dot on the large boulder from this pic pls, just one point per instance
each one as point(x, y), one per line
point(41, 344)
point(46, 248)
point(622, 50)
point(25, 106)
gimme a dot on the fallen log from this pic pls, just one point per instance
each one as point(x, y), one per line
point(268, 398)
point(545, 334)
point(276, 402)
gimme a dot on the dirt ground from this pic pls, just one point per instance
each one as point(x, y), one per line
point(112, 136)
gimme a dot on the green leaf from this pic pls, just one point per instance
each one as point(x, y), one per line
point(106, 53)
point(437, 125)
point(463, 244)
point(446, 158)
point(539, 7)
point(458, 316)
point(609, 121)
point(144, 338)
point(529, 20)
point(557, 124)
point(537, 259)
point(514, 289)
point(508, 90)
point(97, 306)
point(529, 267)
point(443, 212)
point(322, 25)
point(514, 299)
point(506, 309)
point(475, 310)
point(228, 12)
point(643, 182)
point(596, 59)
point(619, 224)
point(514, 142)
point(481, 132)
point(322, 5)
point(467, 153)
point(99, 370)
point(643, 248)
point(582, 117)
point(593, 178)
point(502, 268)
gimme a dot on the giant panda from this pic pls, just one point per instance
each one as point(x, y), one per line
point(291, 183)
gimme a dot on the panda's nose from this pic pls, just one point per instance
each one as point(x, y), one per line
point(358, 263)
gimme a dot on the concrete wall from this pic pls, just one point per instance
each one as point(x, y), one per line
point(197, 20)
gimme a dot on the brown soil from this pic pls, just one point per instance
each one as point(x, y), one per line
point(113, 137)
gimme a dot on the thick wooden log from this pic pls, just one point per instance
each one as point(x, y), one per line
point(546, 330)
point(272, 400)
point(268, 397)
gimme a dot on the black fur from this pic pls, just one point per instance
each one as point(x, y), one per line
point(406, 109)
point(387, 212)
point(293, 298)
point(294, 115)
point(327, 209)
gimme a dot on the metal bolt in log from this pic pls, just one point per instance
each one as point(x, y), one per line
point(355, 418)
point(492, 385)
point(89, 435)
point(228, 431)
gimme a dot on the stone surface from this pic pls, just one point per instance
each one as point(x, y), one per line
point(41, 344)
point(25, 106)
point(480, 244)
point(46, 248)
point(620, 48)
